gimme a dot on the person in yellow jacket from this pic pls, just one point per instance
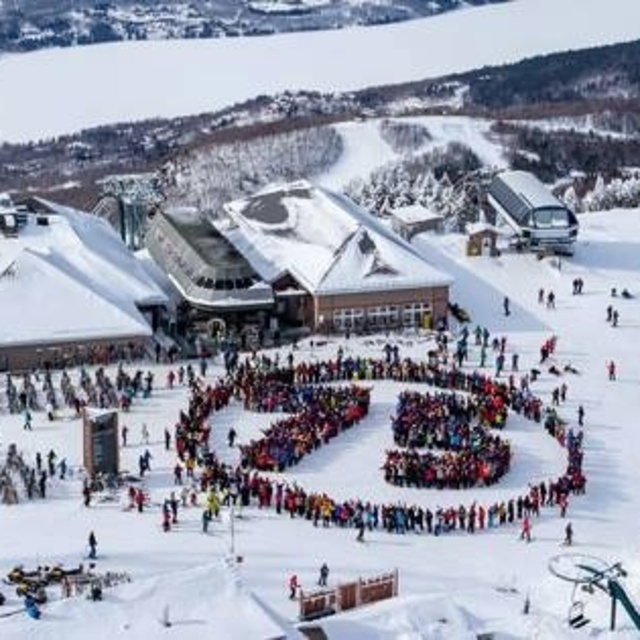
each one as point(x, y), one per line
point(213, 503)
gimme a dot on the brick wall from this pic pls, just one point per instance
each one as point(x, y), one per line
point(436, 297)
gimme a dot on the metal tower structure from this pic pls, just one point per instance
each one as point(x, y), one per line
point(128, 201)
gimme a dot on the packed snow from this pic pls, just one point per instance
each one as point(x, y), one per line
point(52, 92)
point(452, 586)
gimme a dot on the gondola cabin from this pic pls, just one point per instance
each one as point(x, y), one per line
point(539, 219)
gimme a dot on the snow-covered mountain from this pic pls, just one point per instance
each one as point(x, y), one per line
point(28, 25)
point(121, 82)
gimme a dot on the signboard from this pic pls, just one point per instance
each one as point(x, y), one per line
point(100, 449)
point(348, 595)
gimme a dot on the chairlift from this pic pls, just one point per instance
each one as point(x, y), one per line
point(576, 618)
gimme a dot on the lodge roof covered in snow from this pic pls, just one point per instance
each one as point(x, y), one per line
point(67, 276)
point(324, 241)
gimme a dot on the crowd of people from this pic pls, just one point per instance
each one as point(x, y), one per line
point(20, 479)
point(456, 418)
point(445, 421)
point(324, 413)
point(473, 454)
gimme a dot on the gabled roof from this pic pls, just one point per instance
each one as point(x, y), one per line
point(71, 280)
point(97, 255)
point(323, 240)
point(414, 213)
point(481, 226)
point(44, 303)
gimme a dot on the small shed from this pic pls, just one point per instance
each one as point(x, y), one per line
point(482, 239)
point(414, 218)
point(8, 225)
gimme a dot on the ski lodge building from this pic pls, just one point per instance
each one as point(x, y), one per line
point(70, 290)
point(297, 255)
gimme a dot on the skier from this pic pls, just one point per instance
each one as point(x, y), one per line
point(611, 369)
point(231, 436)
point(177, 474)
point(27, 420)
point(505, 305)
point(293, 586)
point(525, 533)
point(166, 516)
point(125, 432)
point(173, 505)
point(359, 522)
point(139, 500)
point(206, 519)
point(31, 607)
point(581, 415)
point(499, 364)
point(324, 574)
point(86, 494)
point(563, 503)
point(93, 544)
point(568, 535)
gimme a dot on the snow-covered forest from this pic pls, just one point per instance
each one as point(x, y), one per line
point(435, 179)
point(622, 192)
point(210, 176)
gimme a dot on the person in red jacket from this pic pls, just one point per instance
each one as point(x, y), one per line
point(525, 534)
point(293, 586)
point(139, 499)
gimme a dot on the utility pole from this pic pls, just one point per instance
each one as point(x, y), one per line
point(232, 528)
point(613, 611)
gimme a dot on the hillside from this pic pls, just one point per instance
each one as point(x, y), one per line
point(120, 82)
point(592, 131)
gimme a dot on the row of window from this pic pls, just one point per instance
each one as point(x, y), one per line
point(408, 315)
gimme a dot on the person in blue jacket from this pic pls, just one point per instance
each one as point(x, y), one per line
point(31, 606)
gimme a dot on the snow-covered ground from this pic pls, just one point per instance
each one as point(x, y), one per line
point(453, 586)
point(60, 91)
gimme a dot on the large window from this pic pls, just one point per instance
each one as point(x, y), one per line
point(383, 317)
point(380, 317)
point(414, 312)
point(344, 319)
point(551, 218)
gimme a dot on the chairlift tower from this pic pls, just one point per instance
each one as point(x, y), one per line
point(588, 573)
point(467, 198)
point(136, 197)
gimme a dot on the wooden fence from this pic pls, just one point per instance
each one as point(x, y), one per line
point(350, 595)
